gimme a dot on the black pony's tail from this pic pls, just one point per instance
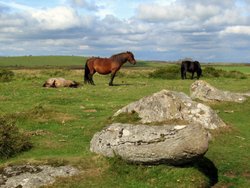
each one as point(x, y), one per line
point(86, 73)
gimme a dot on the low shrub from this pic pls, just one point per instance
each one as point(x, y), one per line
point(170, 72)
point(12, 141)
point(235, 74)
point(6, 75)
point(174, 72)
point(211, 72)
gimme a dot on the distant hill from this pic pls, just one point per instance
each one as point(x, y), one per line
point(76, 62)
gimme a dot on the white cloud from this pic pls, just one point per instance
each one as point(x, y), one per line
point(159, 13)
point(238, 30)
point(56, 18)
point(89, 5)
point(159, 29)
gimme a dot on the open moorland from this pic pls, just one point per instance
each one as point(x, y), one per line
point(61, 122)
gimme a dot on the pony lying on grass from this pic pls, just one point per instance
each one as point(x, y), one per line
point(60, 82)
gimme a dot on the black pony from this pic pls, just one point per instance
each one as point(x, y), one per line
point(190, 66)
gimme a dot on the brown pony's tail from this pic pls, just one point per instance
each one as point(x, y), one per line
point(86, 73)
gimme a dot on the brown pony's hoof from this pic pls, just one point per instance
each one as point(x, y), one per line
point(110, 84)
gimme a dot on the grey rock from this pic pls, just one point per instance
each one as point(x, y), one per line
point(204, 91)
point(170, 105)
point(28, 176)
point(171, 144)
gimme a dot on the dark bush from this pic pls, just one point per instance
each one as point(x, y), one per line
point(170, 72)
point(6, 75)
point(173, 72)
point(235, 74)
point(211, 72)
point(12, 141)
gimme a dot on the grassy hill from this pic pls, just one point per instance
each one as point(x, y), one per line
point(61, 123)
point(78, 62)
point(42, 61)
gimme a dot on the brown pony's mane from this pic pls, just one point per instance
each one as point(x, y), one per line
point(119, 57)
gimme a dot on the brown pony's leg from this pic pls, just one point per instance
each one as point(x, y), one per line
point(90, 76)
point(91, 81)
point(112, 78)
point(89, 71)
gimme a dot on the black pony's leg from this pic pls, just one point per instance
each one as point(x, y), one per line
point(182, 74)
point(192, 76)
point(185, 74)
point(198, 76)
point(112, 78)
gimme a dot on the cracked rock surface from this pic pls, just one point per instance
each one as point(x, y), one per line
point(28, 176)
point(171, 105)
point(171, 144)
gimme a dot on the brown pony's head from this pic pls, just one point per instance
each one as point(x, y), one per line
point(124, 57)
point(131, 58)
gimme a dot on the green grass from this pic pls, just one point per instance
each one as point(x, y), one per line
point(42, 61)
point(241, 68)
point(62, 121)
point(59, 61)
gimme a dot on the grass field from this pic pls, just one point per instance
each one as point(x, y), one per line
point(42, 61)
point(63, 121)
point(57, 62)
point(242, 68)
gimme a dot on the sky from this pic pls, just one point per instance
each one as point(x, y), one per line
point(168, 30)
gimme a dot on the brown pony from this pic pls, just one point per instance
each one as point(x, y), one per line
point(106, 66)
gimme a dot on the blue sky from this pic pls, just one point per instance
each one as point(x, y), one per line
point(204, 30)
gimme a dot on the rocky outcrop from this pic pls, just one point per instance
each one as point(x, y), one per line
point(171, 144)
point(170, 105)
point(60, 82)
point(204, 91)
point(28, 176)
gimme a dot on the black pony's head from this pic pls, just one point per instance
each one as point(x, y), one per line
point(199, 70)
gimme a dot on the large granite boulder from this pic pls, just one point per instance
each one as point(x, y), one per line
point(170, 105)
point(145, 144)
point(204, 91)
